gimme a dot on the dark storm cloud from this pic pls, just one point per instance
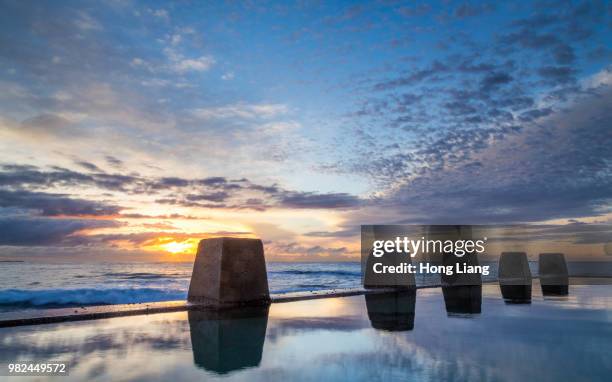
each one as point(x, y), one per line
point(55, 204)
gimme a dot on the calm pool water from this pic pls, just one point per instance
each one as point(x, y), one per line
point(433, 336)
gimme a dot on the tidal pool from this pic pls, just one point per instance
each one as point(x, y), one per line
point(468, 334)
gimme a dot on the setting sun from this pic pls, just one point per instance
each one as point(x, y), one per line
point(175, 247)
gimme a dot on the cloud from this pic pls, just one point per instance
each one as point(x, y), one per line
point(241, 110)
point(413, 77)
point(112, 161)
point(200, 64)
point(55, 204)
point(50, 125)
point(313, 200)
point(349, 232)
point(492, 80)
point(160, 13)
point(472, 10)
point(30, 231)
point(209, 192)
point(297, 252)
point(557, 74)
point(557, 168)
point(85, 22)
point(88, 166)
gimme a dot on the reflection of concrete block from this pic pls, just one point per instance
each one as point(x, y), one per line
point(229, 272)
point(223, 341)
point(554, 276)
point(462, 300)
point(516, 294)
point(391, 311)
point(515, 277)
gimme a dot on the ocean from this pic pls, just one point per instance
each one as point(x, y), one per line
point(28, 285)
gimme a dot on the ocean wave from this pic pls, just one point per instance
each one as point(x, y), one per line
point(58, 298)
point(317, 272)
point(144, 275)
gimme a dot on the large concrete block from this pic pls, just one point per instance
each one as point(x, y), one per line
point(372, 279)
point(229, 272)
point(459, 279)
point(443, 233)
point(554, 277)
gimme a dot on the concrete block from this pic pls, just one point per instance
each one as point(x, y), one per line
point(554, 276)
point(457, 279)
point(514, 269)
point(372, 279)
point(515, 277)
point(443, 233)
point(229, 272)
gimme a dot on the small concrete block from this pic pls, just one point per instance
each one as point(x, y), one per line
point(553, 273)
point(229, 272)
point(515, 277)
point(514, 269)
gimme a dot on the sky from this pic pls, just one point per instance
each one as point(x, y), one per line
point(131, 130)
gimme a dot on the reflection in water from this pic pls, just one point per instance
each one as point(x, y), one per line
point(555, 290)
point(224, 341)
point(392, 311)
point(331, 340)
point(462, 300)
point(516, 294)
